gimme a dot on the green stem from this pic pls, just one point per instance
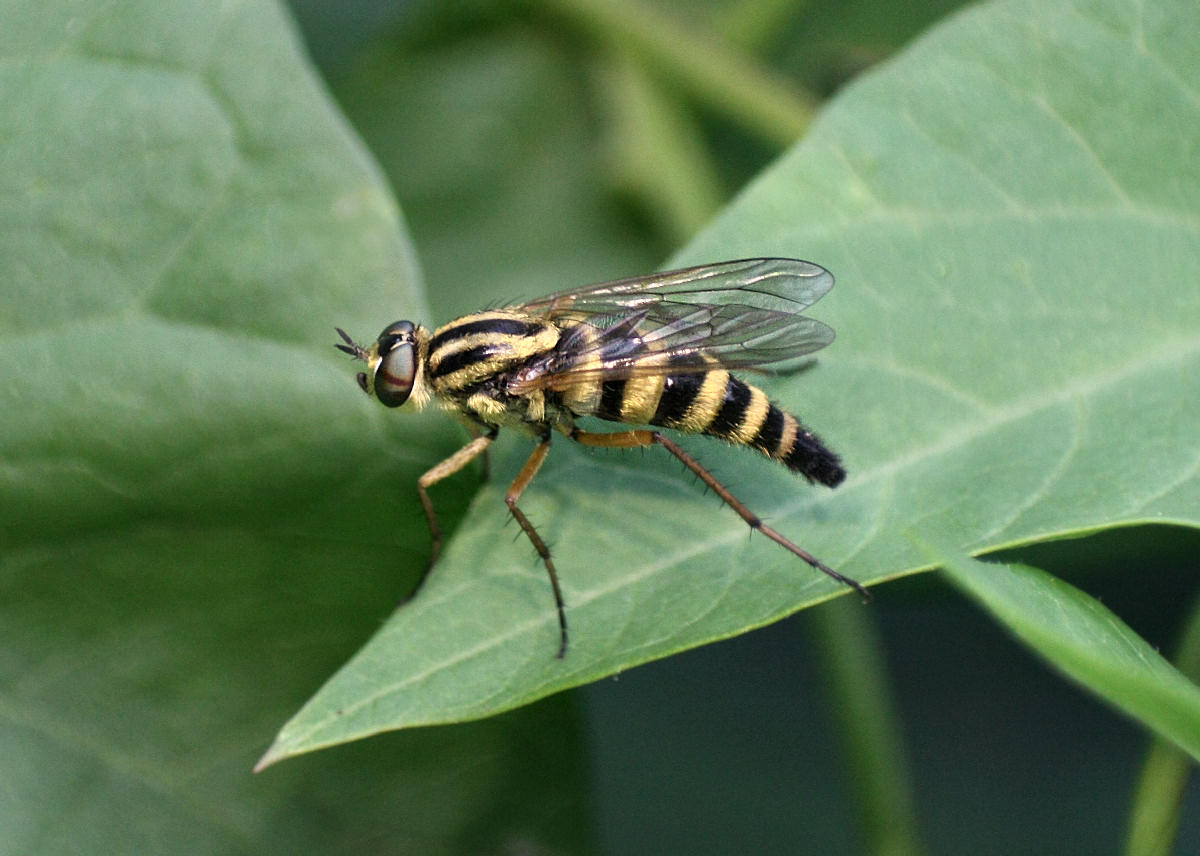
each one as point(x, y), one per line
point(1154, 815)
point(708, 69)
point(656, 151)
point(854, 665)
point(753, 25)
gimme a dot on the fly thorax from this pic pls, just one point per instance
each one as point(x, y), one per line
point(471, 351)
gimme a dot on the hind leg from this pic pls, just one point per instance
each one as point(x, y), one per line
point(636, 438)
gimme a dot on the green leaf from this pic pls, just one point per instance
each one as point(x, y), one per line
point(184, 459)
point(1012, 210)
point(175, 241)
point(1085, 640)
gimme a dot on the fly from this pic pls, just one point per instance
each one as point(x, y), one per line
point(653, 350)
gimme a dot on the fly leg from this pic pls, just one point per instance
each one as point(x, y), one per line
point(487, 461)
point(510, 499)
point(633, 439)
point(448, 467)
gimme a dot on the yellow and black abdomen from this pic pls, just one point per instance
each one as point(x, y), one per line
point(716, 403)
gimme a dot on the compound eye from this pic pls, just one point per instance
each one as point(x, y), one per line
point(361, 377)
point(396, 373)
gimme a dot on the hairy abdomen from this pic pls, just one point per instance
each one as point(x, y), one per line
point(720, 405)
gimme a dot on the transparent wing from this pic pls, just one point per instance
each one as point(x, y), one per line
point(782, 285)
point(740, 315)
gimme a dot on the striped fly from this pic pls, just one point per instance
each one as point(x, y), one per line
point(652, 350)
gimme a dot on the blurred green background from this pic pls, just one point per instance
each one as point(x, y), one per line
point(732, 747)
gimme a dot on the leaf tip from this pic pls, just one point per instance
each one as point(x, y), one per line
point(275, 753)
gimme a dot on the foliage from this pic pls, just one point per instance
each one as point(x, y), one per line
point(204, 521)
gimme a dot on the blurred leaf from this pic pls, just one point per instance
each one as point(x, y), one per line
point(185, 463)
point(1083, 639)
point(830, 41)
point(657, 157)
point(1011, 207)
point(703, 66)
point(489, 141)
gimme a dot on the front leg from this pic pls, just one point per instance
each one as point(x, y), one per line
point(446, 468)
point(510, 499)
